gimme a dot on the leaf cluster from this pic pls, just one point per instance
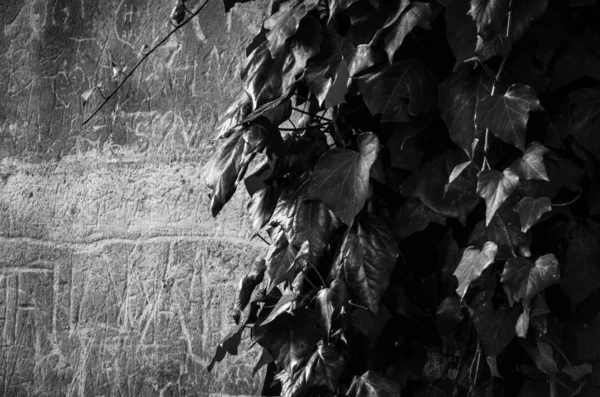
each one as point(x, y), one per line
point(427, 176)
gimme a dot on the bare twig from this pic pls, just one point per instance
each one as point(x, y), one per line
point(146, 55)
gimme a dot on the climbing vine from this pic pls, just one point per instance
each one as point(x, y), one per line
point(425, 174)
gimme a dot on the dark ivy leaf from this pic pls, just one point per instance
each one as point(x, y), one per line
point(491, 16)
point(320, 374)
point(448, 316)
point(575, 60)
point(523, 280)
point(246, 287)
point(506, 115)
point(505, 231)
point(459, 96)
point(284, 24)
point(262, 204)
point(585, 116)
point(284, 305)
point(530, 210)
point(227, 168)
point(341, 178)
point(369, 323)
point(263, 360)
point(495, 187)
point(304, 221)
point(367, 258)
point(495, 327)
point(581, 270)
point(414, 216)
point(330, 300)
point(398, 90)
point(373, 384)
point(461, 31)
point(429, 185)
point(472, 264)
point(270, 79)
point(229, 345)
point(289, 338)
point(416, 14)
point(280, 260)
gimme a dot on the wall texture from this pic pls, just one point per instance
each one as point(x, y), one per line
point(114, 278)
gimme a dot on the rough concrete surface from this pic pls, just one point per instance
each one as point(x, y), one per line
point(114, 278)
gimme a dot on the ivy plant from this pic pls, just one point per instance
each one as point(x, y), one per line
point(426, 175)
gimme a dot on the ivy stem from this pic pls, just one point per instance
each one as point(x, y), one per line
point(568, 202)
point(311, 114)
point(146, 55)
point(486, 144)
point(552, 384)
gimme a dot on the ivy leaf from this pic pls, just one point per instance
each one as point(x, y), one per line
point(491, 16)
point(543, 356)
point(506, 115)
point(262, 204)
point(495, 187)
point(330, 300)
point(284, 24)
point(304, 221)
point(448, 316)
point(284, 305)
point(326, 74)
point(336, 6)
point(363, 59)
point(505, 231)
point(530, 210)
point(581, 271)
point(472, 264)
point(399, 90)
point(367, 258)
point(263, 360)
point(461, 31)
point(289, 338)
point(321, 373)
point(227, 168)
point(459, 96)
point(280, 260)
point(523, 279)
point(577, 372)
point(495, 327)
point(270, 79)
point(341, 178)
point(373, 384)
point(229, 345)
point(576, 60)
point(416, 14)
point(413, 217)
point(531, 165)
point(246, 286)
point(369, 323)
point(429, 185)
point(585, 116)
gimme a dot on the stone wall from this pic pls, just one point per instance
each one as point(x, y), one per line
point(114, 278)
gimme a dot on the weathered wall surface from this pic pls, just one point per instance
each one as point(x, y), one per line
point(114, 278)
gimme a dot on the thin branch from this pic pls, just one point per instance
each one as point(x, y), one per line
point(146, 55)
point(569, 202)
point(311, 114)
